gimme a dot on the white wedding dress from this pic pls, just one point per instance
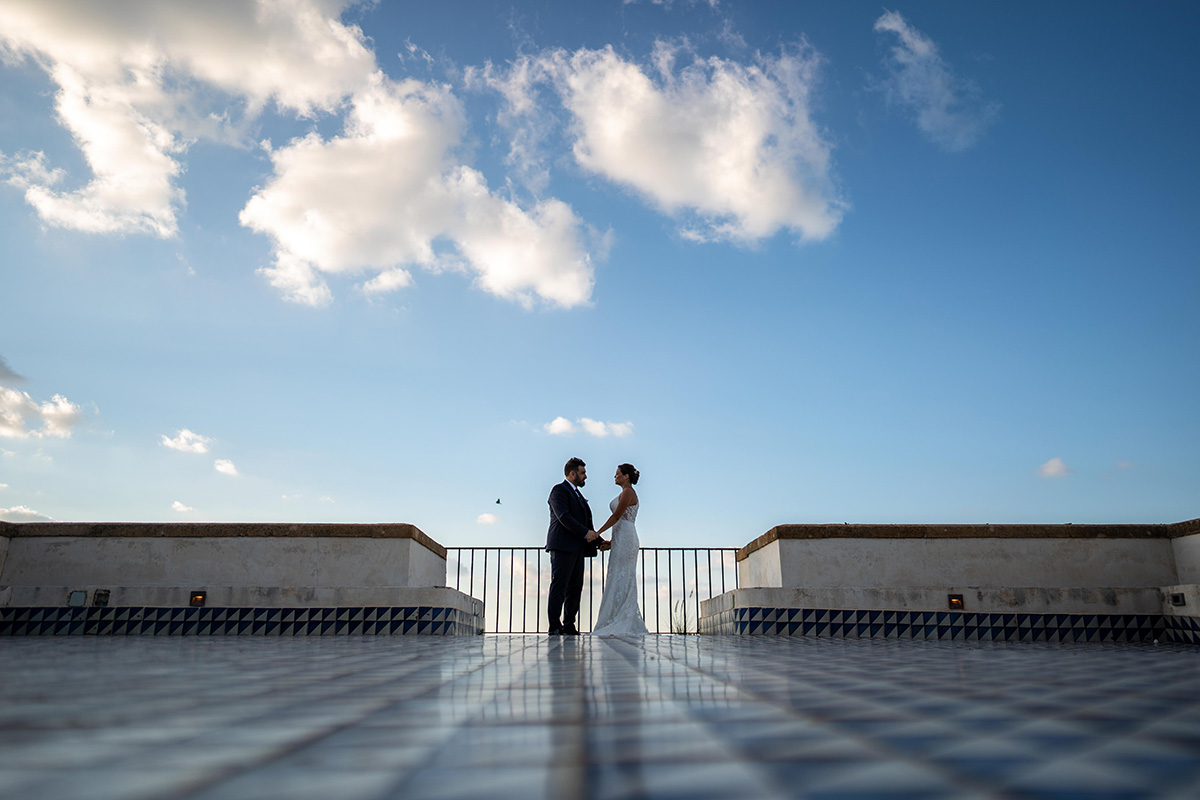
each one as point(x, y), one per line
point(619, 613)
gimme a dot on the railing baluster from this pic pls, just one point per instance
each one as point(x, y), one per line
point(642, 554)
point(671, 593)
point(657, 613)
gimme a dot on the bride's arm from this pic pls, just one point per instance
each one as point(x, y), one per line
point(623, 502)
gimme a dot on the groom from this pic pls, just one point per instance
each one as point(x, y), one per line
point(571, 539)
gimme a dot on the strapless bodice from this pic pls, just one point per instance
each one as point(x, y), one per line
point(630, 514)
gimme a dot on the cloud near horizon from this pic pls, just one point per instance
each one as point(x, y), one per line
point(138, 83)
point(487, 519)
point(186, 441)
point(1054, 468)
point(180, 507)
point(23, 514)
point(947, 108)
point(19, 412)
point(561, 426)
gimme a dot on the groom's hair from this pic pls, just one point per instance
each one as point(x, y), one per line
point(572, 465)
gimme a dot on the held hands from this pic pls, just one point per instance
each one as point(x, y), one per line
point(592, 536)
point(604, 544)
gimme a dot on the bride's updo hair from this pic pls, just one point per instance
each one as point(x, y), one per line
point(629, 471)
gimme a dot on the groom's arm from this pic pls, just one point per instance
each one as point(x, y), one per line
point(560, 507)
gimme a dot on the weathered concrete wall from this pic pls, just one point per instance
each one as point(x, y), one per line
point(1191, 600)
point(1108, 563)
point(242, 561)
point(5, 592)
point(291, 563)
point(1187, 558)
point(762, 568)
point(1112, 569)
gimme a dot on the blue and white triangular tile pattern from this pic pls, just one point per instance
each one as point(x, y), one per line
point(965, 626)
point(1182, 630)
point(345, 621)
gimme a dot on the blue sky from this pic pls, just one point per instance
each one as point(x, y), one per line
point(798, 263)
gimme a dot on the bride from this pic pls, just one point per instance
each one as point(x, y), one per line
point(619, 614)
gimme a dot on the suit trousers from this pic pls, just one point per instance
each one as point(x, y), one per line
point(566, 586)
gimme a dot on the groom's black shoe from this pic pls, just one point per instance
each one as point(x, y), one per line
point(555, 631)
point(569, 630)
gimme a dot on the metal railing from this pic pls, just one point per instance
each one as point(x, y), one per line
point(513, 583)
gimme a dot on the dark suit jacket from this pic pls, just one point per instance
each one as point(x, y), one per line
point(570, 520)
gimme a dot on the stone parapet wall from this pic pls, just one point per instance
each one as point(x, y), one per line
point(1108, 574)
point(266, 579)
point(1098, 563)
point(217, 530)
point(276, 560)
point(909, 532)
point(1187, 557)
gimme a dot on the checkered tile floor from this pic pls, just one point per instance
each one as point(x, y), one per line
point(530, 717)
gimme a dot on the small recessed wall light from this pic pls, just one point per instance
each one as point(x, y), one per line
point(100, 598)
point(77, 598)
point(956, 602)
point(1178, 599)
point(198, 598)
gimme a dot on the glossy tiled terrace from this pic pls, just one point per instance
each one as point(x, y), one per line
point(529, 717)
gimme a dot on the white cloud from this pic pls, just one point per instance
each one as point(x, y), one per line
point(1054, 468)
point(620, 429)
point(127, 74)
point(1124, 465)
point(180, 507)
point(225, 467)
point(139, 82)
point(388, 194)
point(561, 426)
point(288, 496)
point(729, 148)
point(23, 514)
point(327, 500)
point(487, 519)
point(3, 485)
point(19, 413)
point(947, 109)
point(593, 427)
point(187, 442)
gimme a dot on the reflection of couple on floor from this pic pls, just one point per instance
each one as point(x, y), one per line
point(572, 539)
